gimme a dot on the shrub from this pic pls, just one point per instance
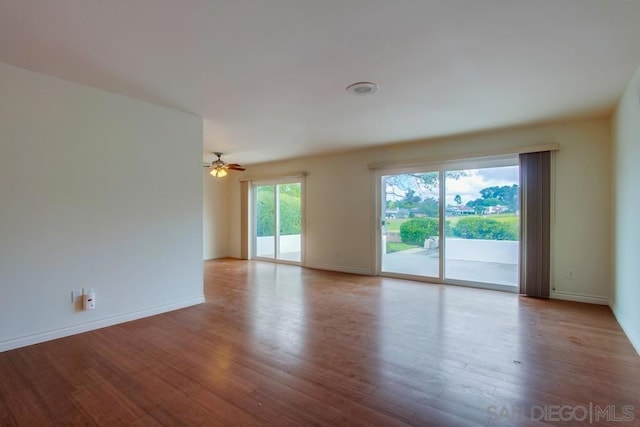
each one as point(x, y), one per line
point(485, 228)
point(416, 230)
point(448, 229)
point(290, 215)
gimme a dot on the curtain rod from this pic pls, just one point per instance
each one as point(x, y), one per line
point(441, 159)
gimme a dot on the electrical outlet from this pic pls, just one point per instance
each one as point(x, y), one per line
point(571, 274)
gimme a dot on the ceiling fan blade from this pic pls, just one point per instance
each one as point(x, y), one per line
point(235, 167)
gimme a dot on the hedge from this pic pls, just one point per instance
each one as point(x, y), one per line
point(289, 213)
point(484, 228)
point(416, 230)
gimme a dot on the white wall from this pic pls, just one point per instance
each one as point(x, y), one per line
point(216, 216)
point(625, 292)
point(96, 191)
point(340, 221)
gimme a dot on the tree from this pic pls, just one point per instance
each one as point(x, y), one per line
point(396, 186)
point(265, 211)
point(477, 206)
point(292, 189)
point(493, 196)
point(290, 212)
point(290, 215)
point(429, 207)
point(410, 201)
point(458, 199)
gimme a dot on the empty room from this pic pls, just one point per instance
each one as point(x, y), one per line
point(227, 212)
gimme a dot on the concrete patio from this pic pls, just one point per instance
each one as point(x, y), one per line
point(484, 261)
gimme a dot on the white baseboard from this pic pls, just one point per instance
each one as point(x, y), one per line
point(635, 340)
point(589, 299)
point(96, 324)
point(341, 269)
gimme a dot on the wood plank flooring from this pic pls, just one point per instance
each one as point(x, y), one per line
point(287, 346)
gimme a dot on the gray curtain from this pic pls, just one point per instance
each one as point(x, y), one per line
point(535, 213)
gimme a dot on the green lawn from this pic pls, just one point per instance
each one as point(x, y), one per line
point(397, 247)
point(509, 218)
point(394, 224)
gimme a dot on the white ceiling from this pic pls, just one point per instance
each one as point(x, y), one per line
point(269, 76)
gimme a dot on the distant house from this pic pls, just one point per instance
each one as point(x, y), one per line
point(397, 213)
point(489, 210)
point(459, 210)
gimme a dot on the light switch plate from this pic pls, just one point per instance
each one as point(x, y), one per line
point(76, 295)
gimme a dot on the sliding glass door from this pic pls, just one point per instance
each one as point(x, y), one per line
point(411, 224)
point(482, 220)
point(456, 224)
point(278, 221)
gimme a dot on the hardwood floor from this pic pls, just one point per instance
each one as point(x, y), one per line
point(287, 346)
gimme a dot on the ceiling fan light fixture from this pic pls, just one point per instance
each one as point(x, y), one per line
point(218, 172)
point(219, 168)
point(362, 88)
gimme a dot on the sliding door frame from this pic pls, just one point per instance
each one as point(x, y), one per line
point(441, 167)
point(380, 215)
point(253, 236)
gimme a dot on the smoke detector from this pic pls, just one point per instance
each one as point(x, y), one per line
point(362, 88)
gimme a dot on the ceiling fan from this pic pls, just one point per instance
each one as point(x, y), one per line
point(219, 167)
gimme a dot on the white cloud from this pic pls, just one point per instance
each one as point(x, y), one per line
point(468, 186)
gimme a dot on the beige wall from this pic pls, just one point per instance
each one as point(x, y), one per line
point(625, 292)
point(215, 207)
point(96, 191)
point(340, 215)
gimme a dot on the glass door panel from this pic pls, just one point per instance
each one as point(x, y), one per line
point(410, 224)
point(289, 222)
point(265, 203)
point(278, 221)
point(481, 225)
